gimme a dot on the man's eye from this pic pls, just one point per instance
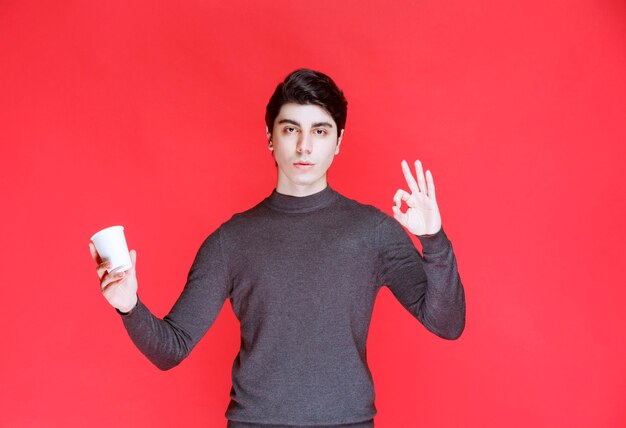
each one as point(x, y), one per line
point(290, 129)
point(320, 131)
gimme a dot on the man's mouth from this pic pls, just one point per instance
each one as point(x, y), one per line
point(303, 165)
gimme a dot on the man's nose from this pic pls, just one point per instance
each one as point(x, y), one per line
point(304, 144)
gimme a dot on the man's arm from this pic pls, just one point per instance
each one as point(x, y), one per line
point(429, 287)
point(166, 342)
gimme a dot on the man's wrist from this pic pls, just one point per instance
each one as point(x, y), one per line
point(434, 243)
point(129, 309)
point(432, 234)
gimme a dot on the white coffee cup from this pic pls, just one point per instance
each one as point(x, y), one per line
point(111, 246)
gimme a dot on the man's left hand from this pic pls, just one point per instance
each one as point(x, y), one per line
point(422, 215)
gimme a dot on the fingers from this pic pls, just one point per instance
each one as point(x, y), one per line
point(420, 177)
point(402, 195)
point(109, 280)
point(409, 177)
point(94, 253)
point(398, 215)
point(133, 259)
point(102, 268)
point(425, 184)
point(431, 185)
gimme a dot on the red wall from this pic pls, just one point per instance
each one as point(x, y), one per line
point(150, 115)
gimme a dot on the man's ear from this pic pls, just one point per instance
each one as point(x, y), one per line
point(269, 138)
point(339, 142)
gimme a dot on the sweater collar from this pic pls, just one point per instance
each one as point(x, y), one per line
point(301, 204)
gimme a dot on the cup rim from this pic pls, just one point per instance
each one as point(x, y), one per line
point(104, 230)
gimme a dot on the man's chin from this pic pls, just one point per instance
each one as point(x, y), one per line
point(304, 181)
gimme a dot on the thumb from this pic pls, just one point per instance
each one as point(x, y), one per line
point(133, 259)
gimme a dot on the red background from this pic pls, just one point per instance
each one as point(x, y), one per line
point(150, 114)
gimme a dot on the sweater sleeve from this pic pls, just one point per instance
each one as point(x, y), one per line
point(166, 342)
point(428, 286)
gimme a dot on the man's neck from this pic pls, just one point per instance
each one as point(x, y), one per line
point(300, 190)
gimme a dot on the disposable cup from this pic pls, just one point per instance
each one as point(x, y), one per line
point(111, 246)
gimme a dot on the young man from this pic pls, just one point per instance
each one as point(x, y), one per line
point(302, 270)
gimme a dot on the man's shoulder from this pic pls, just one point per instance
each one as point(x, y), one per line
point(363, 208)
point(255, 212)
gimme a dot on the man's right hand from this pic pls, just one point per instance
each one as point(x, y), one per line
point(120, 289)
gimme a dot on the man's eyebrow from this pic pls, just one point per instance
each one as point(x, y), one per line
point(293, 122)
point(315, 125)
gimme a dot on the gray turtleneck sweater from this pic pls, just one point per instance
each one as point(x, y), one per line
point(302, 275)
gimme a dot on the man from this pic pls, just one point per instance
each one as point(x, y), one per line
point(302, 270)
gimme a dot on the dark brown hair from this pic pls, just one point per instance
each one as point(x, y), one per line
point(305, 86)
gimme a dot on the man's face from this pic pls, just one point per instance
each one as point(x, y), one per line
point(304, 142)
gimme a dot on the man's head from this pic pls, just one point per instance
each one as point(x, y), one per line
point(305, 119)
point(305, 86)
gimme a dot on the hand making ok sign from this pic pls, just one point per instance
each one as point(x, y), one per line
point(422, 215)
